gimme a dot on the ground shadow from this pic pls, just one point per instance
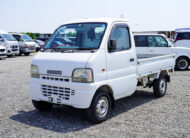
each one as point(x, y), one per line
point(66, 119)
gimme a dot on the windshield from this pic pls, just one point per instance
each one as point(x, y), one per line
point(77, 36)
point(27, 38)
point(8, 37)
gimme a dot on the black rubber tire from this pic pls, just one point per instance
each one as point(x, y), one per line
point(91, 111)
point(156, 86)
point(20, 53)
point(27, 53)
point(180, 59)
point(42, 106)
point(9, 55)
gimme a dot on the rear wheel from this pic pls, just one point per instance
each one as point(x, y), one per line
point(160, 86)
point(27, 53)
point(42, 106)
point(182, 63)
point(100, 107)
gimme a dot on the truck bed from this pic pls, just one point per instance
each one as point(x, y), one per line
point(151, 65)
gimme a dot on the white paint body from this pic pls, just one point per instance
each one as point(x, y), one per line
point(12, 47)
point(24, 46)
point(120, 74)
point(3, 53)
point(183, 42)
point(156, 51)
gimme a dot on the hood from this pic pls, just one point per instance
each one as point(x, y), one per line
point(181, 51)
point(30, 43)
point(64, 62)
point(2, 47)
point(12, 43)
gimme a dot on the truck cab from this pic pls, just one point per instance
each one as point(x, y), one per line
point(158, 44)
point(99, 66)
point(26, 44)
point(10, 43)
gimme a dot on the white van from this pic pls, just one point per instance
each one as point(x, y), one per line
point(10, 43)
point(182, 38)
point(156, 44)
point(26, 43)
point(96, 69)
point(3, 53)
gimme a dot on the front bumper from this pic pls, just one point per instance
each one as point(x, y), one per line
point(28, 50)
point(3, 55)
point(78, 95)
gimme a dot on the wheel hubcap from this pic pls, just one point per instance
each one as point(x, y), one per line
point(183, 64)
point(162, 86)
point(102, 107)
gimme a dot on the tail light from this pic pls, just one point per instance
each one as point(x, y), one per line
point(176, 39)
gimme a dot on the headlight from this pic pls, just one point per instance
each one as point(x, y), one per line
point(34, 71)
point(82, 75)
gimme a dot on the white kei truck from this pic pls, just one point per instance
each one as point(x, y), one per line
point(97, 68)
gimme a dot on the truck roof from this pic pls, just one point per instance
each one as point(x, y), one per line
point(107, 20)
point(178, 30)
point(149, 34)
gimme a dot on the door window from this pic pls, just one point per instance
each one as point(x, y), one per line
point(140, 41)
point(17, 37)
point(161, 42)
point(122, 37)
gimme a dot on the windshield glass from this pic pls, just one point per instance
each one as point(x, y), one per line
point(27, 38)
point(77, 36)
point(8, 37)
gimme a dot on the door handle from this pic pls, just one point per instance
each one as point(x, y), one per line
point(132, 60)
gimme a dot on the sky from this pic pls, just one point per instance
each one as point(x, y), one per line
point(44, 16)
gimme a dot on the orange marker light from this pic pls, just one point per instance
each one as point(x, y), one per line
point(103, 70)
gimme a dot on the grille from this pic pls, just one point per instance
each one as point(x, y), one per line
point(14, 46)
point(32, 48)
point(63, 93)
point(54, 78)
point(2, 50)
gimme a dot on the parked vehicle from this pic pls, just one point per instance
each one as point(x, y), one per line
point(2, 52)
point(182, 38)
point(26, 44)
point(10, 43)
point(155, 44)
point(99, 68)
point(39, 44)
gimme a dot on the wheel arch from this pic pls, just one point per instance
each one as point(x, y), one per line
point(183, 56)
point(109, 90)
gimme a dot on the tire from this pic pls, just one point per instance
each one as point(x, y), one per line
point(160, 86)
point(182, 63)
point(42, 106)
point(20, 53)
point(9, 55)
point(27, 53)
point(100, 107)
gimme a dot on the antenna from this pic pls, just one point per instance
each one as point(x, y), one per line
point(121, 16)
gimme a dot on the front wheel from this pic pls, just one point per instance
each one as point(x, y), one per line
point(9, 55)
point(182, 63)
point(27, 53)
point(100, 107)
point(42, 106)
point(160, 86)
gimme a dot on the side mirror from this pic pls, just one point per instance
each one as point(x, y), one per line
point(112, 45)
point(1, 39)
